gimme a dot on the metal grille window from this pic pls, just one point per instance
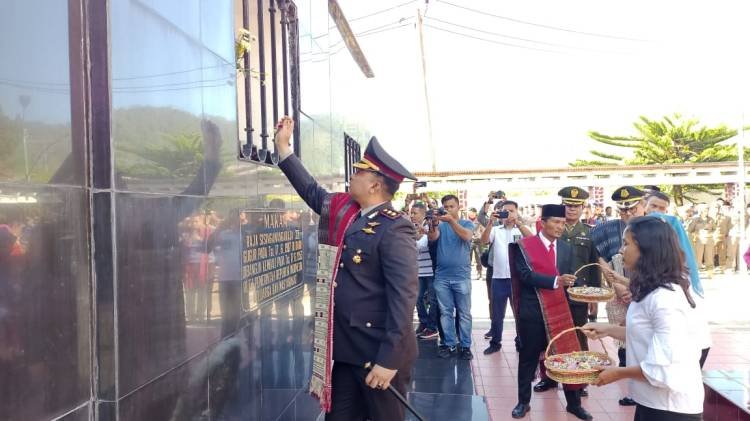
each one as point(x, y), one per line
point(267, 55)
point(352, 154)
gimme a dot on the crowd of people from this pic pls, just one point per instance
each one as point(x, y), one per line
point(673, 246)
point(378, 266)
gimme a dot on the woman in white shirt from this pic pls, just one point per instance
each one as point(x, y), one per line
point(660, 330)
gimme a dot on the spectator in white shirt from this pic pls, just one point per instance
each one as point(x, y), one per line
point(499, 237)
point(661, 333)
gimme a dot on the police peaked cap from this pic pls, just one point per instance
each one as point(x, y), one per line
point(376, 159)
point(627, 196)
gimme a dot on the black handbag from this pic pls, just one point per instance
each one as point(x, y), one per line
point(484, 258)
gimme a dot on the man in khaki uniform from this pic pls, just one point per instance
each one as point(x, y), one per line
point(703, 227)
point(721, 235)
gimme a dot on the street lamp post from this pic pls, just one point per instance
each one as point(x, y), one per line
point(741, 196)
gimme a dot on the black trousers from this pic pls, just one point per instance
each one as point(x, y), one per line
point(354, 400)
point(533, 343)
point(488, 281)
point(580, 315)
point(644, 413)
point(704, 355)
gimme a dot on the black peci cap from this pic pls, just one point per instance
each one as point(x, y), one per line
point(550, 211)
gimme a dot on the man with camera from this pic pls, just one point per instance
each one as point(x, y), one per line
point(499, 237)
point(487, 208)
point(452, 236)
point(426, 301)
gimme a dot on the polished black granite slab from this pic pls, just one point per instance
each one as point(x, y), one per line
point(443, 389)
point(80, 414)
point(448, 407)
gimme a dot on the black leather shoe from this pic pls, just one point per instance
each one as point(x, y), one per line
point(493, 348)
point(545, 385)
point(520, 410)
point(579, 412)
point(465, 354)
point(626, 401)
point(584, 393)
point(446, 352)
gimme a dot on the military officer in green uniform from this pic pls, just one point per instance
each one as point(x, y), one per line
point(578, 235)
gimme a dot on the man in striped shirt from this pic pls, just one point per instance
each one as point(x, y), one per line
point(427, 306)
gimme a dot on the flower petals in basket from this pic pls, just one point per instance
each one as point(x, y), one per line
point(581, 367)
point(586, 294)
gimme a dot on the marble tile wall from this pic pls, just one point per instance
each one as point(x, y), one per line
point(118, 272)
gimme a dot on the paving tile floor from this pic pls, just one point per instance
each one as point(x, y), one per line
point(495, 377)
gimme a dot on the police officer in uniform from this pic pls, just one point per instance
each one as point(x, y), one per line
point(376, 284)
point(578, 236)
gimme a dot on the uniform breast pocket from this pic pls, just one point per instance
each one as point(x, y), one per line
point(582, 248)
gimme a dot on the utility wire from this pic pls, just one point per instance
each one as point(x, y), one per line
point(507, 44)
point(380, 11)
point(403, 21)
point(551, 44)
point(371, 29)
point(331, 53)
point(540, 25)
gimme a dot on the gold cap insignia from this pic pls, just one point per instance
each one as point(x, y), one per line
point(574, 193)
point(624, 193)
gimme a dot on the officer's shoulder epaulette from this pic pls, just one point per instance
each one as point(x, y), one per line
point(390, 213)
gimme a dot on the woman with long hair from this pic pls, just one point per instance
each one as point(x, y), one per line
point(660, 329)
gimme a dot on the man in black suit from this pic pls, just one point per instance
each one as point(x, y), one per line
point(375, 283)
point(541, 269)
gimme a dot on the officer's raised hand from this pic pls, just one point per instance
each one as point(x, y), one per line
point(284, 130)
point(380, 377)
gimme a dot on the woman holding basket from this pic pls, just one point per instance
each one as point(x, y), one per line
point(662, 359)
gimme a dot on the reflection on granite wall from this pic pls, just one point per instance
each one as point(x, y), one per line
point(126, 303)
point(45, 306)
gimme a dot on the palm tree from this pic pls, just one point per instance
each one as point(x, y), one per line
point(670, 140)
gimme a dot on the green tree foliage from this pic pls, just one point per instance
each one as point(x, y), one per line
point(669, 140)
point(179, 155)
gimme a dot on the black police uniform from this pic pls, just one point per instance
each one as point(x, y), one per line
point(375, 296)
